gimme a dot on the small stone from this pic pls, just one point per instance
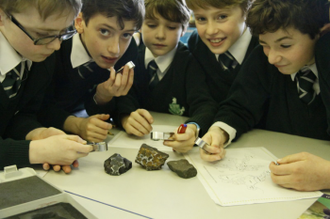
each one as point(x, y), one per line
point(150, 158)
point(117, 165)
point(183, 168)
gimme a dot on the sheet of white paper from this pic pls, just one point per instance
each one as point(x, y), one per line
point(243, 177)
point(122, 139)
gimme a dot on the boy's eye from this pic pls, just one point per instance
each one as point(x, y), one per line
point(285, 46)
point(151, 25)
point(200, 19)
point(222, 17)
point(104, 32)
point(172, 27)
point(127, 35)
point(40, 35)
point(265, 46)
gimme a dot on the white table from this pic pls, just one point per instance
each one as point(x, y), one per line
point(162, 194)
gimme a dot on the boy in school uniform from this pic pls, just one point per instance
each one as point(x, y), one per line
point(279, 82)
point(30, 31)
point(222, 41)
point(85, 77)
point(167, 77)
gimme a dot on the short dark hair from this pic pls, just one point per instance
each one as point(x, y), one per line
point(172, 10)
point(125, 10)
point(194, 4)
point(307, 16)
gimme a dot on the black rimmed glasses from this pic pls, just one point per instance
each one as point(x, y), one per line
point(44, 40)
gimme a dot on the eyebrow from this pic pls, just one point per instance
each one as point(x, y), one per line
point(278, 40)
point(112, 28)
point(51, 30)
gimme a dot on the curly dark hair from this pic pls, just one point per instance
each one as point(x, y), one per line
point(307, 16)
point(125, 10)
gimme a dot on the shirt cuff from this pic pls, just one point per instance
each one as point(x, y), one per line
point(230, 131)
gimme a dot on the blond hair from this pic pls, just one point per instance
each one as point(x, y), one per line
point(44, 7)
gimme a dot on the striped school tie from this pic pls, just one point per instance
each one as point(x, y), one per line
point(305, 79)
point(12, 82)
point(227, 61)
point(152, 70)
point(87, 69)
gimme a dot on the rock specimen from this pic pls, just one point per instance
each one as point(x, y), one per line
point(183, 168)
point(150, 158)
point(117, 165)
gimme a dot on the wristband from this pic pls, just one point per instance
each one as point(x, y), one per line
point(197, 126)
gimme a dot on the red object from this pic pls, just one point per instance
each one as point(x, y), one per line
point(182, 128)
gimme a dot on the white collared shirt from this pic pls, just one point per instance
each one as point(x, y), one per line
point(163, 62)
point(9, 59)
point(239, 48)
point(79, 55)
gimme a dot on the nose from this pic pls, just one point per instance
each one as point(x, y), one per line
point(113, 45)
point(160, 34)
point(55, 44)
point(273, 56)
point(211, 28)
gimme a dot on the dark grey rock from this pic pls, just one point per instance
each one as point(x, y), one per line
point(117, 165)
point(150, 158)
point(183, 168)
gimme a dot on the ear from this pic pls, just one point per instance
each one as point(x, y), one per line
point(325, 29)
point(79, 23)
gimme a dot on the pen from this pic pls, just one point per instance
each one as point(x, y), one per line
point(276, 163)
point(182, 128)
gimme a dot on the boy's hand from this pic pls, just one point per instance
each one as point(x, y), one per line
point(42, 133)
point(183, 142)
point(138, 122)
point(216, 138)
point(117, 85)
point(302, 171)
point(93, 128)
point(58, 150)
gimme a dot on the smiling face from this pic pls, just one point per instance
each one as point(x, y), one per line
point(37, 28)
point(289, 50)
point(218, 28)
point(160, 35)
point(103, 38)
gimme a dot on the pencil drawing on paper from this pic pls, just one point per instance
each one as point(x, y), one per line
point(236, 171)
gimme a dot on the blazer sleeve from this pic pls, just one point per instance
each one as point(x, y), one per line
point(13, 152)
point(26, 119)
point(202, 107)
point(247, 98)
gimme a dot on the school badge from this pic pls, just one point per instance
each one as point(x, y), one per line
point(175, 108)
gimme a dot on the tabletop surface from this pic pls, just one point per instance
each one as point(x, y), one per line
point(162, 194)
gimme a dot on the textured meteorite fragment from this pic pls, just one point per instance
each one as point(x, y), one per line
point(183, 168)
point(150, 158)
point(117, 165)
